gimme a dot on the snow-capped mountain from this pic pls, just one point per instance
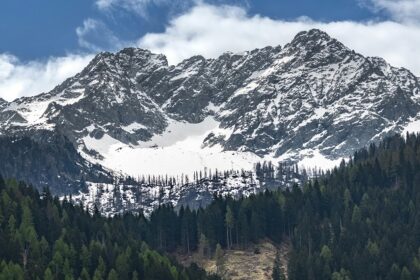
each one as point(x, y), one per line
point(313, 100)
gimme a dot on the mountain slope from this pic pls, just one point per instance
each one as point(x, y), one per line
point(44, 238)
point(132, 112)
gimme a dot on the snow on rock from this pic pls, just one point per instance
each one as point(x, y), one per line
point(117, 198)
point(133, 127)
point(178, 150)
point(312, 102)
point(412, 127)
point(315, 160)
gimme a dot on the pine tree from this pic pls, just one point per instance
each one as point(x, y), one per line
point(277, 273)
point(218, 255)
point(230, 223)
point(100, 270)
point(405, 274)
point(48, 275)
point(84, 275)
point(113, 275)
point(203, 246)
point(135, 276)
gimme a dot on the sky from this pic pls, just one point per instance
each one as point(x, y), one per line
point(42, 42)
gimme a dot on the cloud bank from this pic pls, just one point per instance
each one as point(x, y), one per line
point(19, 79)
point(407, 11)
point(95, 36)
point(141, 7)
point(137, 6)
point(211, 30)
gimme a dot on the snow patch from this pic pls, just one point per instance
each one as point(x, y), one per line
point(178, 150)
point(131, 128)
point(412, 127)
point(315, 160)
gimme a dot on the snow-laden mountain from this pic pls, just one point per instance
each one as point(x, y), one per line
point(119, 197)
point(313, 101)
point(146, 193)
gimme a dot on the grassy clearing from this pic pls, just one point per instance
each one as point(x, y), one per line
point(253, 263)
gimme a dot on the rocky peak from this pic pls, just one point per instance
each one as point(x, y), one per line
point(314, 94)
point(3, 102)
point(129, 61)
point(316, 48)
point(312, 35)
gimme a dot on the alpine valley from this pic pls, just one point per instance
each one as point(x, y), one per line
point(131, 132)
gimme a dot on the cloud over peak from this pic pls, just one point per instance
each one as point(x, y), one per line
point(407, 11)
point(139, 7)
point(19, 79)
point(210, 30)
point(95, 36)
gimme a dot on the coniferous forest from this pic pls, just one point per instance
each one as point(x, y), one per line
point(358, 221)
point(43, 238)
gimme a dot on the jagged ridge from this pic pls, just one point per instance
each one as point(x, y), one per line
point(312, 96)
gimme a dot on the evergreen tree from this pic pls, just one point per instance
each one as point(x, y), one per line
point(230, 223)
point(218, 256)
point(113, 275)
point(48, 274)
point(277, 273)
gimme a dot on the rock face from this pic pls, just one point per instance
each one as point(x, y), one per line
point(314, 94)
point(47, 159)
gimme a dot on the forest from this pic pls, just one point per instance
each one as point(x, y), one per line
point(360, 220)
point(44, 238)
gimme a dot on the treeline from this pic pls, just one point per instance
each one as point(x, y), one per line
point(362, 221)
point(182, 180)
point(43, 238)
point(358, 221)
point(283, 174)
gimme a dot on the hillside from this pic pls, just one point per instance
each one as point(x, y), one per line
point(43, 238)
point(313, 102)
point(359, 221)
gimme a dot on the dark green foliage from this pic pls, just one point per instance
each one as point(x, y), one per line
point(278, 273)
point(38, 160)
point(43, 238)
point(359, 221)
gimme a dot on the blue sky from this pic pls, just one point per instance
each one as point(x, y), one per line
point(41, 28)
point(42, 42)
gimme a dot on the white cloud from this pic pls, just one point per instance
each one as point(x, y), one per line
point(137, 6)
point(211, 30)
point(407, 11)
point(25, 79)
point(95, 36)
point(104, 4)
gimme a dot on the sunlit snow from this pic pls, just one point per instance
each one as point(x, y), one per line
point(317, 160)
point(412, 127)
point(179, 150)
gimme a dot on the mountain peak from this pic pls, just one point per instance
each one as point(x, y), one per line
point(136, 59)
point(308, 95)
point(3, 103)
point(317, 39)
point(311, 35)
point(316, 45)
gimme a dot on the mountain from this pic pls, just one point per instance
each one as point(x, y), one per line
point(313, 101)
point(48, 159)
